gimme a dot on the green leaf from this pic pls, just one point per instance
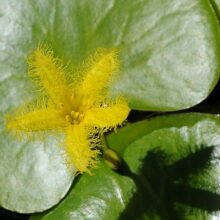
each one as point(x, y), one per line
point(33, 175)
point(216, 4)
point(181, 169)
point(204, 132)
point(166, 67)
point(101, 196)
point(169, 51)
point(119, 140)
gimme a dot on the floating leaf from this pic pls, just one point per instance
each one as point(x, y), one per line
point(33, 176)
point(180, 170)
point(101, 196)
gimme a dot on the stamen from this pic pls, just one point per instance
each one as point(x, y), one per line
point(78, 106)
point(69, 119)
point(75, 115)
point(81, 117)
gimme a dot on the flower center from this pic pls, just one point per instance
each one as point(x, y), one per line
point(74, 108)
point(74, 117)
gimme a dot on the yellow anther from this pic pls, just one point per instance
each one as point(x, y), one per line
point(69, 119)
point(74, 115)
point(81, 116)
point(104, 105)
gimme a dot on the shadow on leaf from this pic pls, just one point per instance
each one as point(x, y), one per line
point(161, 185)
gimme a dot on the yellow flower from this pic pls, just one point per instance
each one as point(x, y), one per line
point(80, 108)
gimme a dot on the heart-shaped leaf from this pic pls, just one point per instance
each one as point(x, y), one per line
point(33, 176)
point(181, 169)
point(102, 196)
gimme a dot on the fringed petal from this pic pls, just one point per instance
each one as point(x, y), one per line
point(97, 72)
point(80, 152)
point(48, 72)
point(34, 121)
point(107, 116)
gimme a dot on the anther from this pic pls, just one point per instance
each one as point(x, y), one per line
point(81, 116)
point(74, 114)
point(69, 119)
